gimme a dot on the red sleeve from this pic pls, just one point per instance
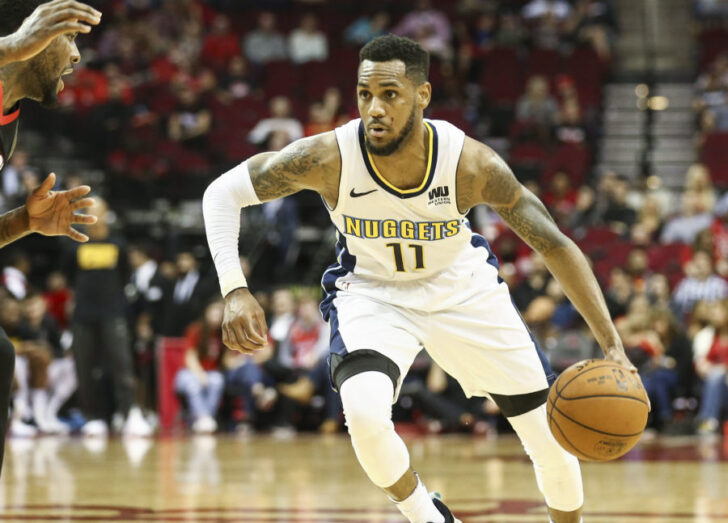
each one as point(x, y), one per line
point(192, 336)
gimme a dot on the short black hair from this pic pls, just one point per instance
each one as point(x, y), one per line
point(13, 12)
point(391, 47)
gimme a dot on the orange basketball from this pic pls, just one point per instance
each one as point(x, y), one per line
point(597, 410)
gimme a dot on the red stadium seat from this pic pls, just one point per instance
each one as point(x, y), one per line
point(572, 158)
point(712, 42)
point(282, 78)
point(715, 157)
point(501, 76)
point(528, 160)
point(454, 115)
point(545, 62)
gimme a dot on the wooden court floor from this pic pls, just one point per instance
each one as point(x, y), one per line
point(316, 479)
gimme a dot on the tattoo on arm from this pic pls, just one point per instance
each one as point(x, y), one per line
point(520, 208)
point(279, 174)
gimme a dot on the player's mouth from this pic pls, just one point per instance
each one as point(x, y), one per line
point(377, 131)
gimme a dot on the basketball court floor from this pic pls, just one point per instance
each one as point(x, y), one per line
point(316, 479)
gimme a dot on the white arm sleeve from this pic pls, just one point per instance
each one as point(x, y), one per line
point(221, 206)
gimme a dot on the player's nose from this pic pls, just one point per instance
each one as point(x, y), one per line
point(75, 54)
point(376, 109)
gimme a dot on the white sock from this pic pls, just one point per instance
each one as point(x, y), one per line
point(419, 508)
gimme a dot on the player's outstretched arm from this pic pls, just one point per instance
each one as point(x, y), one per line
point(485, 178)
point(311, 163)
point(48, 21)
point(47, 212)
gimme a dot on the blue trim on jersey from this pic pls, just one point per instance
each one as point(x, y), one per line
point(479, 241)
point(345, 265)
point(430, 175)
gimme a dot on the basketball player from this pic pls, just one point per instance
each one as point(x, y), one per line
point(410, 274)
point(36, 48)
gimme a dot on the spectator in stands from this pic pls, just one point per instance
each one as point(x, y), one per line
point(619, 293)
point(58, 298)
point(537, 107)
point(712, 367)
point(100, 334)
point(535, 9)
point(238, 82)
point(593, 21)
point(534, 285)
point(618, 214)
point(15, 274)
point(511, 32)
point(185, 297)
point(664, 359)
point(38, 327)
point(248, 378)
point(570, 126)
point(429, 27)
point(200, 382)
point(700, 284)
point(486, 31)
point(280, 120)
point(12, 193)
point(307, 43)
point(323, 114)
point(647, 228)
point(283, 307)
point(191, 122)
point(560, 198)
point(658, 291)
point(264, 44)
point(367, 28)
point(683, 227)
point(305, 352)
point(221, 45)
point(699, 186)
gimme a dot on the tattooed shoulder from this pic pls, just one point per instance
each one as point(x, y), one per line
point(300, 165)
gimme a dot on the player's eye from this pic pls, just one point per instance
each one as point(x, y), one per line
point(364, 95)
point(391, 94)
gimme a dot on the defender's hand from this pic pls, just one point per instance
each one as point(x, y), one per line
point(52, 213)
point(48, 21)
point(243, 324)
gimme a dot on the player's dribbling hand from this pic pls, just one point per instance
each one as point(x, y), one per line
point(243, 324)
point(617, 355)
point(53, 213)
point(48, 21)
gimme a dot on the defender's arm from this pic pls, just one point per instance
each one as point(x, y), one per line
point(485, 178)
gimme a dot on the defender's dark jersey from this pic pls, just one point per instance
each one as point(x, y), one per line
point(8, 131)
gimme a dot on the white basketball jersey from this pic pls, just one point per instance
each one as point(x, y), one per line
point(391, 241)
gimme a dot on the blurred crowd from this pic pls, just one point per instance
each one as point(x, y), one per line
point(172, 93)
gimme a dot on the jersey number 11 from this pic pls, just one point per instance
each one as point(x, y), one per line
point(399, 259)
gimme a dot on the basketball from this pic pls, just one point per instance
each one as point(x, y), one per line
point(597, 410)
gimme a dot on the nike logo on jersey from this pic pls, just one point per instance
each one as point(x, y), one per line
point(355, 194)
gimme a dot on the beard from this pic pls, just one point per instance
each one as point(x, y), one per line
point(44, 87)
point(391, 147)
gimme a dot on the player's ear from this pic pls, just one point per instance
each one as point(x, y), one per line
point(424, 95)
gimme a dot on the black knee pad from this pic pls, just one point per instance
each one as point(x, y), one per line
point(517, 404)
point(363, 360)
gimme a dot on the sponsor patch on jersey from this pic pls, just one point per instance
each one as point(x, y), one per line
point(439, 195)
